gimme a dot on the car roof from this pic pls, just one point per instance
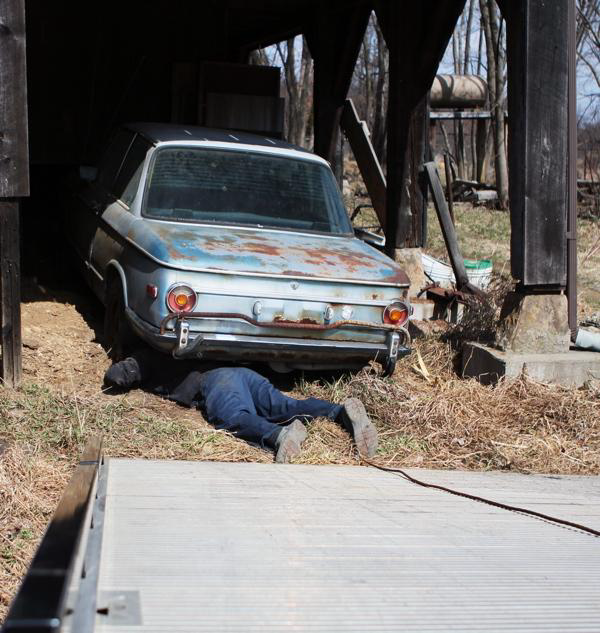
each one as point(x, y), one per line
point(168, 132)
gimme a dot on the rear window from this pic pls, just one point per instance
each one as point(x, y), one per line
point(248, 188)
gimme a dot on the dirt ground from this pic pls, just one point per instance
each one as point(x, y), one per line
point(426, 416)
point(63, 352)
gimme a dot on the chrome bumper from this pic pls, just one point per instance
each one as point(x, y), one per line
point(182, 344)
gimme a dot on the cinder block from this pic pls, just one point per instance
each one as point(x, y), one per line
point(569, 369)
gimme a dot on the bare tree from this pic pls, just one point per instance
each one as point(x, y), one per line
point(492, 24)
point(588, 38)
point(370, 85)
point(380, 98)
point(298, 82)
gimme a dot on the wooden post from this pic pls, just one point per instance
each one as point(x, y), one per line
point(481, 136)
point(334, 41)
point(14, 179)
point(449, 196)
point(414, 196)
point(417, 34)
point(538, 57)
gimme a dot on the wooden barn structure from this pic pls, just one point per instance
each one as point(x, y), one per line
point(71, 70)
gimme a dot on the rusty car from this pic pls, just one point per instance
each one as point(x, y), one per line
point(225, 245)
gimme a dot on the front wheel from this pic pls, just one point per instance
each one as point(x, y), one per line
point(118, 336)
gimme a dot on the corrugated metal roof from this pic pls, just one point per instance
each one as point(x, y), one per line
point(254, 547)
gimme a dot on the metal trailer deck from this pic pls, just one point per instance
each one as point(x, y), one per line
point(207, 546)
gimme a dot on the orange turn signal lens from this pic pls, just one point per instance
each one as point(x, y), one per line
point(181, 299)
point(396, 313)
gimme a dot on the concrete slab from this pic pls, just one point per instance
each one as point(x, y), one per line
point(424, 309)
point(569, 369)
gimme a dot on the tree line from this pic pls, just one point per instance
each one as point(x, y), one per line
point(477, 47)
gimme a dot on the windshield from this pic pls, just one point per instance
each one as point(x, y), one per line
point(233, 187)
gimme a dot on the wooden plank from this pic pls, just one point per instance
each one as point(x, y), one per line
point(248, 113)
point(461, 116)
point(537, 107)
point(360, 142)
point(14, 154)
point(10, 293)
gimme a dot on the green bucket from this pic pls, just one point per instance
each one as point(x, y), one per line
point(479, 271)
point(478, 264)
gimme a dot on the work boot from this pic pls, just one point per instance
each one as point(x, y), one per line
point(289, 442)
point(355, 420)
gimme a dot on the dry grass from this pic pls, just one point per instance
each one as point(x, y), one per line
point(425, 415)
point(428, 417)
point(485, 234)
point(30, 486)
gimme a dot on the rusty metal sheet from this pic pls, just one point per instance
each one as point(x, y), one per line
point(261, 251)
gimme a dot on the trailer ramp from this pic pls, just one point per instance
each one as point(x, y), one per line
point(206, 546)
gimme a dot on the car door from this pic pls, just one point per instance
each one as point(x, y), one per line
point(116, 218)
point(91, 198)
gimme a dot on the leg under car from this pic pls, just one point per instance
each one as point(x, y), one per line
point(245, 403)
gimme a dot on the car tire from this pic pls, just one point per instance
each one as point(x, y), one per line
point(118, 336)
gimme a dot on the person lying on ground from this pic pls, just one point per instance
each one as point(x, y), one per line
point(245, 403)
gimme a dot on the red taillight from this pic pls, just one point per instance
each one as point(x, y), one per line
point(181, 299)
point(396, 313)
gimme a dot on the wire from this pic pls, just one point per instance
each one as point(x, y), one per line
point(496, 504)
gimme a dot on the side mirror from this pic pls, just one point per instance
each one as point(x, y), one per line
point(378, 241)
point(87, 173)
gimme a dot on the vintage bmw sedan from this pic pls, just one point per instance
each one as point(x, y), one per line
point(230, 246)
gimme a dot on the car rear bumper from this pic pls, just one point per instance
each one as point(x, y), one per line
point(294, 352)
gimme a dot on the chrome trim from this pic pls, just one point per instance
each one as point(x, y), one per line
point(283, 324)
point(261, 347)
point(292, 342)
point(296, 297)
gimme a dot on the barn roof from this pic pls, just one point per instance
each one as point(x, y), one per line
point(165, 132)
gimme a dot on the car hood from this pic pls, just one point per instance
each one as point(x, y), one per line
point(264, 252)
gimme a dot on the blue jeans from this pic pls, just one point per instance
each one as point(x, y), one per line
point(244, 403)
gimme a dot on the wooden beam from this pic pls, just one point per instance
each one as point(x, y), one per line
point(538, 118)
point(14, 154)
point(360, 142)
point(334, 40)
point(417, 34)
point(10, 293)
point(414, 196)
point(14, 179)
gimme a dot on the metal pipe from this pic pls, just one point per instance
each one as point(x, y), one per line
point(572, 175)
